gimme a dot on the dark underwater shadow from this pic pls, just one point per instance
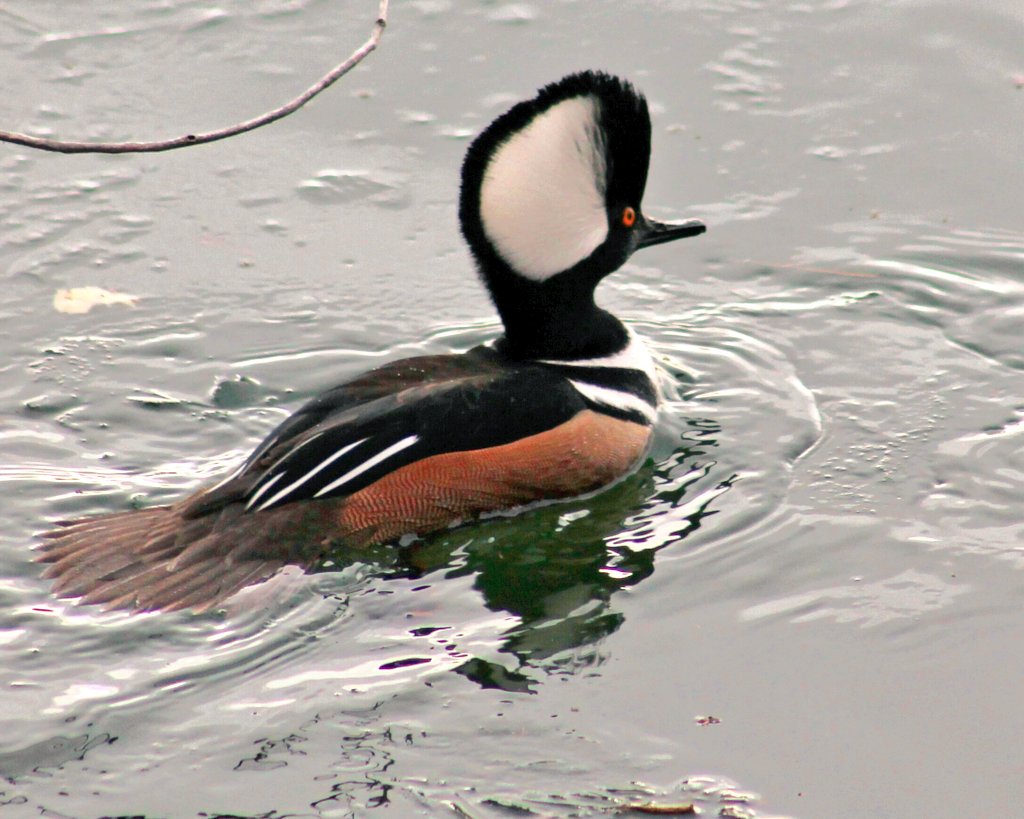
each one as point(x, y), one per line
point(47, 755)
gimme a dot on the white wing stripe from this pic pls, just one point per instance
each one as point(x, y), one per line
point(372, 462)
point(259, 492)
point(293, 450)
point(322, 465)
point(614, 398)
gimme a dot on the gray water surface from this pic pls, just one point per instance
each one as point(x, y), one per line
point(823, 552)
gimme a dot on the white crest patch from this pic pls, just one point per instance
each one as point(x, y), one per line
point(542, 197)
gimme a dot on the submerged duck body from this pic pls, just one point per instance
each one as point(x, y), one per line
point(560, 405)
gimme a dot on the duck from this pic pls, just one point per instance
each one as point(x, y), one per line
point(561, 404)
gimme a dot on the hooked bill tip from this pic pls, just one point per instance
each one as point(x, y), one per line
point(655, 232)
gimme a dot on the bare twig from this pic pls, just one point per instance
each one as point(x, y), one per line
point(326, 81)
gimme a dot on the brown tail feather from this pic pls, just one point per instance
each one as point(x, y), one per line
point(107, 596)
point(175, 576)
point(104, 554)
point(177, 584)
point(68, 539)
point(74, 577)
point(79, 572)
point(198, 585)
point(204, 598)
point(123, 593)
point(157, 559)
point(65, 527)
point(193, 553)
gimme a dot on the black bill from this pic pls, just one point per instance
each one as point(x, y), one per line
point(653, 232)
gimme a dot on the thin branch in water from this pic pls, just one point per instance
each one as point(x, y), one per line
point(324, 82)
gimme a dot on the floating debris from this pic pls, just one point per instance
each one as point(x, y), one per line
point(656, 809)
point(83, 299)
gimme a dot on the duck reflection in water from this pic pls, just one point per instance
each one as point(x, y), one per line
point(557, 568)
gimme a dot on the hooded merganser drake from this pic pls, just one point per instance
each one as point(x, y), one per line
point(562, 404)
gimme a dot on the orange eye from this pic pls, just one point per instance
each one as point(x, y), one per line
point(629, 217)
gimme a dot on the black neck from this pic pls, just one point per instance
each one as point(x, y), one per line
point(552, 321)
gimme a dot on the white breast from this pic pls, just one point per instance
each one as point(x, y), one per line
point(634, 356)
